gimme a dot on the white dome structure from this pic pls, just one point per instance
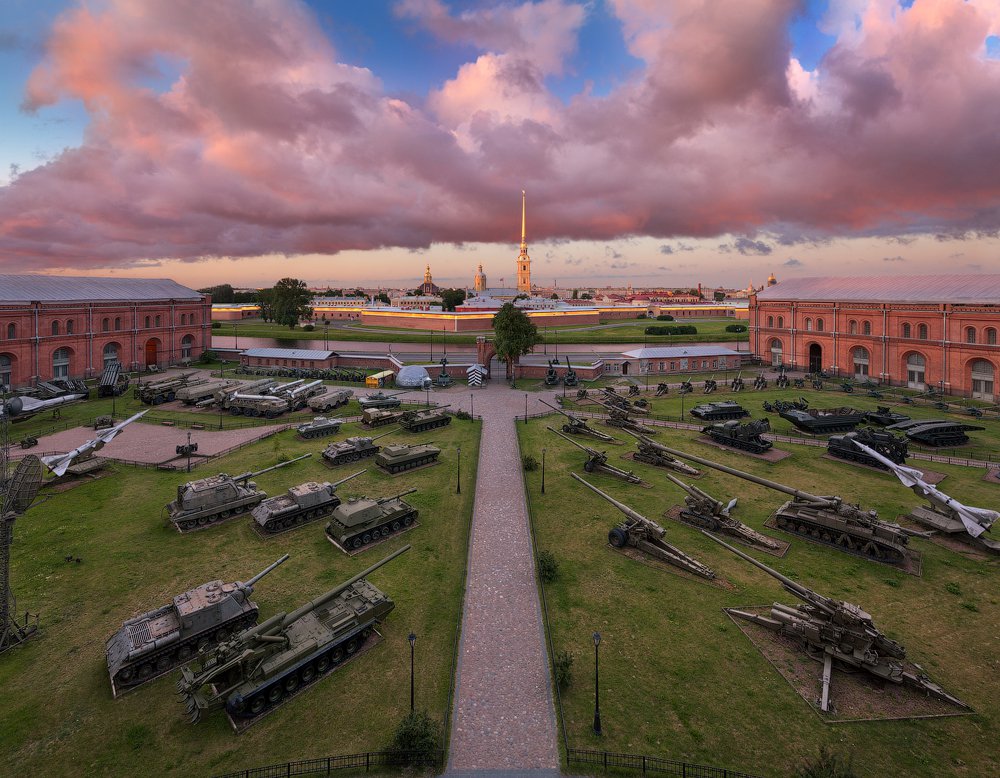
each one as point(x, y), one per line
point(412, 377)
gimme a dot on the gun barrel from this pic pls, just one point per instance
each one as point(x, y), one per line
point(397, 496)
point(387, 432)
point(249, 584)
point(578, 445)
point(632, 514)
point(256, 473)
point(558, 410)
point(335, 484)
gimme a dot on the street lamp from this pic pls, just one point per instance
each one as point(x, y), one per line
point(413, 639)
point(458, 490)
point(682, 406)
point(326, 336)
point(543, 470)
point(597, 686)
point(472, 402)
point(525, 407)
point(236, 335)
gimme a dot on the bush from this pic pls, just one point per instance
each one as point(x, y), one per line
point(641, 316)
point(827, 765)
point(206, 356)
point(529, 463)
point(664, 317)
point(462, 415)
point(548, 567)
point(420, 736)
point(736, 328)
point(216, 325)
point(562, 667)
point(678, 329)
point(308, 327)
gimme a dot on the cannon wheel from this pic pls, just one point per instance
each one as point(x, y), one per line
point(618, 538)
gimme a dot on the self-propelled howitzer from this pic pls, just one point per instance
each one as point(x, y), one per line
point(259, 667)
point(598, 461)
point(842, 631)
point(652, 453)
point(577, 426)
point(828, 519)
point(646, 535)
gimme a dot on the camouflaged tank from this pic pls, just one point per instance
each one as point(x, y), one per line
point(399, 457)
point(319, 427)
point(151, 644)
point(421, 421)
point(362, 520)
point(299, 505)
point(352, 449)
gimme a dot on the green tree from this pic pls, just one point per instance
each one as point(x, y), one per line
point(586, 296)
point(553, 296)
point(719, 295)
point(514, 334)
point(576, 294)
point(265, 299)
point(290, 300)
point(382, 296)
point(452, 297)
point(222, 293)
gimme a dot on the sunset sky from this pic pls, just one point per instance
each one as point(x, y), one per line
point(661, 142)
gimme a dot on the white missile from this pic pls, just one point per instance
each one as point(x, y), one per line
point(28, 406)
point(59, 463)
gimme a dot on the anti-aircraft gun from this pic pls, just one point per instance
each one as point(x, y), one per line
point(570, 379)
point(149, 645)
point(652, 453)
point(259, 667)
point(597, 461)
point(619, 417)
point(551, 376)
point(647, 536)
point(828, 519)
point(577, 426)
point(945, 514)
point(215, 499)
point(842, 632)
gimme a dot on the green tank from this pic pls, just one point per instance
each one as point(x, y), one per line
point(299, 505)
point(262, 666)
point(399, 457)
point(362, 520)
point(352, 449)
point(421, 421)
point(319, 427)
point(379, 417)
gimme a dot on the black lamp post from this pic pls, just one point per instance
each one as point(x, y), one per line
point(427, 396)
point(413, 639)
point(326, 336)
point(597, 686)
point(236, 335)
point(682, 406)
point(458, 490)
point(472, 402)
point(543, 470)
point(525, 407)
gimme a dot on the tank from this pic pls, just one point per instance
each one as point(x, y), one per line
point(935, 432)
point(324, 403)
point(885, 443)
point(398, 457)
point(823, 421)
point(299, 505)
point(380, 400)
point(744, 436)
point(215, 499)
point(719, 411)
point(883, 417)
point(352, 449)
point(379, 417)
point(149, 645)
point(363, 520)
point(257, 669)
point(319, 427)
point(421, 421)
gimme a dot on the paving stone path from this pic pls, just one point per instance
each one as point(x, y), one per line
point(504, 720)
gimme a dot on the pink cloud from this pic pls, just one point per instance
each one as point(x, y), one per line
point(269, 144)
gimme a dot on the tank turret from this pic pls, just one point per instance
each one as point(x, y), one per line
point(380, 400)
point(362, 520)
point(299, 505)
point(398, 457)
point(151, 644)
point(353, 448)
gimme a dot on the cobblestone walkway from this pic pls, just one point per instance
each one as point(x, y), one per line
point(504, 721)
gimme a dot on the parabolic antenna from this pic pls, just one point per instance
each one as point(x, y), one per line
point(24, 485)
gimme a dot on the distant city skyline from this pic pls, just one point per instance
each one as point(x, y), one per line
point(662, 144)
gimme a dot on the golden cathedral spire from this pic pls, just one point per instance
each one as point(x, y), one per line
point(523, 260)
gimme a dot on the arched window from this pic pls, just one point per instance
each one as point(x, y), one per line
point(907, 330)
point(991, 336)
point(157, 321)
point(982, 380)
point(105, 324)
point(186, 343)
point(860, 358)
point(55, 328)
point(60, 363)
point(852, 327)
point(147, 322)
point(118, 323)
point(781, 321)
point(775, 353)
point(916, 364)
point(809, 325)
point(922, 331)
point(866, 328)
point(69, 326)
point(770, 321)
point(6, 371)
point(970, 334)
point(11, 331)
point(819, 325)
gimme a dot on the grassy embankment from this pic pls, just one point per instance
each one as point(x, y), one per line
point(58, 716)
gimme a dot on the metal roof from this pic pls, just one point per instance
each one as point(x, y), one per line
point(288, 353)
point(680, 352)
point(984, 288)
point(31, 288)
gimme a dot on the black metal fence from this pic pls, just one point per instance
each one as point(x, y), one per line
point(607, 760)
point(328, 765)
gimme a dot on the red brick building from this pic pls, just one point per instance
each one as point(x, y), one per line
point(60, 326)
point(916, 331)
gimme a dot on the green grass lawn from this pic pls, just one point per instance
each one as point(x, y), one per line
point(679, 680)
point(58, 717)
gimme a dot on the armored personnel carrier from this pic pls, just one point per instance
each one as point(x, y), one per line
point(885, 443)
point(259, 667)
point(380, 400)
point(421, 421)
point(324, 403)
point(352, 449)
point(362, 520)
point(935, 432)
point(719, 411)
point(744, 436)
point(215, 499)
point(883, 417)
point(823, 421)
point(379, 417)
point(299, 505)
point(151, 644)
point(319, 427)
point(398, 457)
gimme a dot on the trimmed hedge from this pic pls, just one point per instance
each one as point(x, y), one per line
point(736, 328)
point(680, 329)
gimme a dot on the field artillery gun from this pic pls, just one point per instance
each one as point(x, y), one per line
point(781, 382)
point(362, 520)
point(840, 632)
point(611, 397)
point(353, 448)
point(778, 406)
point(847, 387)
point(577, 426)
point(662, 389)
point(710, 385)
point(719, 411)
point(935, 432)
point(570, 379)
point(760, 382)
point(619, 417)
point(428, 419)
point(259, 667)
point(685, 388)
point(164, 390)
point(829, 520)
point(299, 505)
point(799, 383)
point(217, 498)
point(329, 400)
point(581, 394)
point(597, 461)
point(945, 514)
point(885, 443)
point(745, 436)
point(652, 453)
point(736, 385)
point(380, 400)
point(647, 536)
point(149, 645)
point(551, 375)
point(633, 391)
point(703, 511)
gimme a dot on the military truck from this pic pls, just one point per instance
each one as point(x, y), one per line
point(324, 403)
point(299, 505)
point(421, 421)
point(398, 457)
point(352, 449)
point(363, 520)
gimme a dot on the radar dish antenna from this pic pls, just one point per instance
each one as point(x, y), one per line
point(23, 485)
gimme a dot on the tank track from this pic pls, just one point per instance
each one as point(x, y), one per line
point(164, 660)
point(943, 441)
point(351, 456)
point(305, 673)
point(742, 445)
point(381, 531)
point(426, 459)
point(712, 417)
point(291, 521)
point(324, 433)
point(856, 456)
point(203, 522)
point(381, 422)
point(424, 426)
point(846, 539)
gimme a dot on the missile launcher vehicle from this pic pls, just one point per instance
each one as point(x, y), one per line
point(299, 505)
point(352, 449)
point(745, 436)
point(823, 421)
point(328, 401)
point(164, 389)
point(380, 400)
point(215, 499)
point(319, 427)
point(577, 426)
point(195, 393)
point(379, 417)
point(254, 405)
point(935, 432)
point(888, 445)
point(598, 461)
point(399, 457)
point(149, 645)
point(421, 421)
point(883, 417)
point(362, 520)
point(258, 668)
point(719, 411)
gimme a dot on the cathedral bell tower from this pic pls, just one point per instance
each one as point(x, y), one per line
point(523, 260)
